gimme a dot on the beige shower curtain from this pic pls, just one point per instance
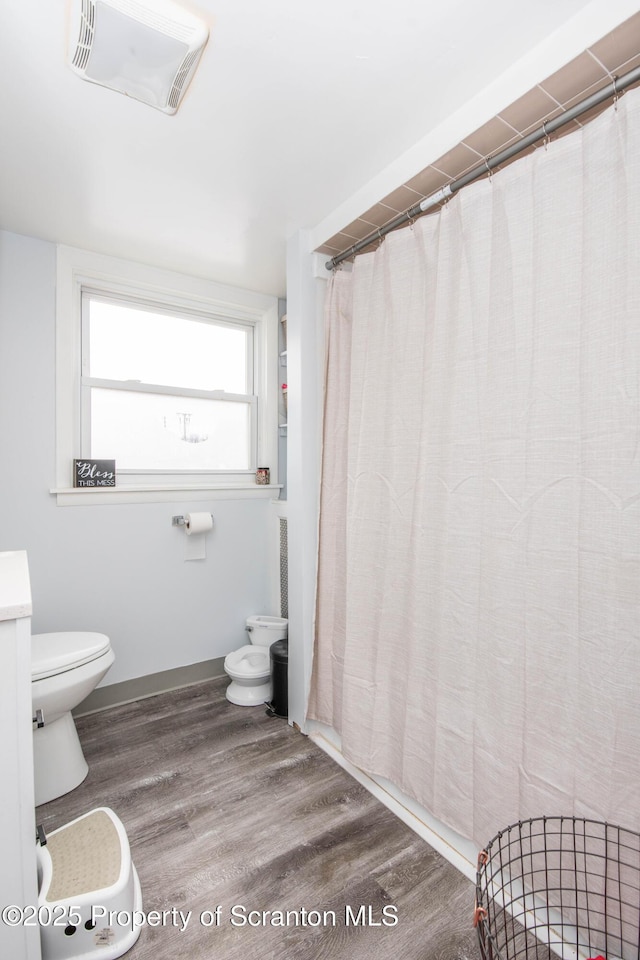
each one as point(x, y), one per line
point(478, 611)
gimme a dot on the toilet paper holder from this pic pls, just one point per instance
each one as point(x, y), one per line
point(180, 521)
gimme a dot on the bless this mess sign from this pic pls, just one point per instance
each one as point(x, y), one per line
point(94, 473)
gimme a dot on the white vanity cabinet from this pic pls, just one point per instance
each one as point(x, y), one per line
point(18, 871)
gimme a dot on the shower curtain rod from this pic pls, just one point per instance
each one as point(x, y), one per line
point(617, 85)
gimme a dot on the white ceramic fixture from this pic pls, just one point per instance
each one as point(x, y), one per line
point(250, 666)
point(65, 668)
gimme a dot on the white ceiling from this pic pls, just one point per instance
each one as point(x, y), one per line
point(293, 108)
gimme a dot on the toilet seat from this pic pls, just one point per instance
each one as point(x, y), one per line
point(248, 662)
point(54, 653)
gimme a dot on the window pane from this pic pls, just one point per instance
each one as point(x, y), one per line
point(150, 431)
point(129, 343)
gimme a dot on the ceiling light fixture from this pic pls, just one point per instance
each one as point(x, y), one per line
point(148, 51)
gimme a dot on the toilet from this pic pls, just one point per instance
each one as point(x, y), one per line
point(65, 668)
point(250, 667)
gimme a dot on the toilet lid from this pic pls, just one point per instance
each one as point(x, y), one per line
point(53, 653)
point(249, 661)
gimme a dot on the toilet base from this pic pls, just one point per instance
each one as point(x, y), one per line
point(244, 695)
point(58, 760)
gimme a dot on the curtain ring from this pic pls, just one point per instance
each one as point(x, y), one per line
point(615, 92)
point(489, 170)
point(546, 135)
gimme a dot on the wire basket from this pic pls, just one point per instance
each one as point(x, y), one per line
point(559, 887)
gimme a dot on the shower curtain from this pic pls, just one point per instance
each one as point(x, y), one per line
point(478, 615)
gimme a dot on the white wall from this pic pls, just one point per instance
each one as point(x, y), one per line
point(118, 569)
point(305, 350)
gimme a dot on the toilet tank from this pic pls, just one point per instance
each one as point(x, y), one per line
point(263, 631)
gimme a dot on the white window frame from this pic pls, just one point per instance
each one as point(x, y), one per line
point(79, 270)
point(139, 476)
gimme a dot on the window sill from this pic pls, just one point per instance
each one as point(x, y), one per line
point(169, 493)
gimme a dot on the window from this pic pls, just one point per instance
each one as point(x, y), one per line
point(162, 391)
point(179, 389)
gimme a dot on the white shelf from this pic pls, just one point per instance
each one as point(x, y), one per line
point(82, 496)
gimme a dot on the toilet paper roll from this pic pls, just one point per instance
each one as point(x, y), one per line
point(197, 523)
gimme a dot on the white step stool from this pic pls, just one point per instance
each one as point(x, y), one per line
point(89, 902)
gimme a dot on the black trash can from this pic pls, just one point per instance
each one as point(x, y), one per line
point(279, 656)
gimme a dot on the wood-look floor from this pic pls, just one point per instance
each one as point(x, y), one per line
point(226, 806)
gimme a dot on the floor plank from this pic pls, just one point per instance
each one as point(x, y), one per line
point(226, 807)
